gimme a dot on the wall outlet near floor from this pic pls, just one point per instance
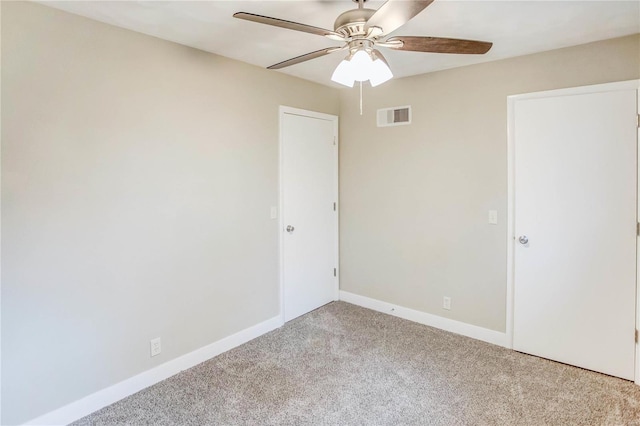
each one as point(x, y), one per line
point(156, 346)
point(446, 303)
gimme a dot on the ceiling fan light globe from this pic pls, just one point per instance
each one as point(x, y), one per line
point(343, 74)
point(361, 63)
point(380, 73)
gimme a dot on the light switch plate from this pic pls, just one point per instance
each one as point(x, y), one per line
point(493, 217)
point(274, 212)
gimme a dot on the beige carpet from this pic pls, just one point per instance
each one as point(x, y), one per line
point(345, 365)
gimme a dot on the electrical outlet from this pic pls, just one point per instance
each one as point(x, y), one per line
point(446, 303)
point(156, 346)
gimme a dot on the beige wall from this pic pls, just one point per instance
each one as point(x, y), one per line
point(415, 199)
point(137, 177)
point(137, 180)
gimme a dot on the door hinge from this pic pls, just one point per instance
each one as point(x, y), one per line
point(334, 272)
point(638, 123)
point(636, 336)
point(638, 228)
point(334, 207)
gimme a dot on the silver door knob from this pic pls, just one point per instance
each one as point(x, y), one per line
point(523, 239)
point(290, 228)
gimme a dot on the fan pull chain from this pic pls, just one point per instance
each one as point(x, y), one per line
point(360, 98)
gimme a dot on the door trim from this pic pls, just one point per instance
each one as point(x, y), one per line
point(511, 101)
point(322, 116)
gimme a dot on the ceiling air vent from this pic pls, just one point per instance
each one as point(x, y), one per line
point(395, 116)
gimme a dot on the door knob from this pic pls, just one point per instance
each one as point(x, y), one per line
point(290, 228)
point(523, 239)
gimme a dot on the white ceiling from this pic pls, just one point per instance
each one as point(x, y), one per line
point(515, 28)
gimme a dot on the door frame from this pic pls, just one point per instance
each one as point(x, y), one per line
point(322, 116)
point(511, 237)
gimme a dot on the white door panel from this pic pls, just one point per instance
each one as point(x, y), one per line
point(309, 192)
point(575, 201)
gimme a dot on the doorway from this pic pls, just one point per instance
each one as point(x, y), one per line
point(309, 206)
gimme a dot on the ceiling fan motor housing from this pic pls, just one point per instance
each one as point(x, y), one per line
point(351, 23)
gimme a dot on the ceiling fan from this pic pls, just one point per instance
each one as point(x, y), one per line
point(362, 30)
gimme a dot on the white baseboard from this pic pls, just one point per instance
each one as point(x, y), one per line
point(87, 405)
point(473, 331)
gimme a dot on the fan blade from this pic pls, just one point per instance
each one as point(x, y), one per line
point(288, 25)
point(395, 13)
point(303, 58)
point(438, 45)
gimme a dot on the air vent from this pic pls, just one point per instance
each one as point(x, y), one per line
point(395, 116)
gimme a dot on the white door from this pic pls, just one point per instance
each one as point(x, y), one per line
point(575, 229)
point(309, 196)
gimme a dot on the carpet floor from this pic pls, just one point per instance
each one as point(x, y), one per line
point(345, 365)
